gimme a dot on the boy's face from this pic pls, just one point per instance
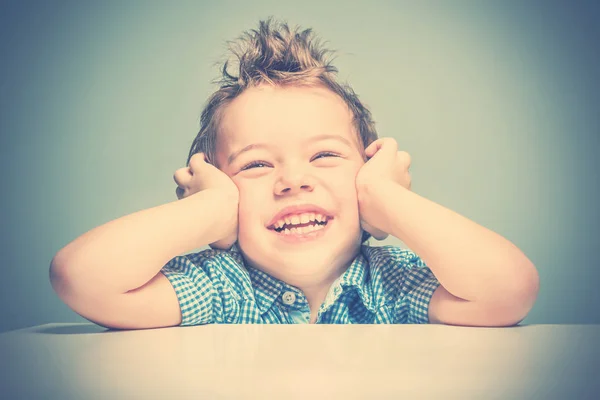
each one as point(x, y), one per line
point(287, 147)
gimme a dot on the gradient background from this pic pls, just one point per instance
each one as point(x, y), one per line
point(497, 103)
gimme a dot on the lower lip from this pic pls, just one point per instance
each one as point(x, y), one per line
point(304, 237)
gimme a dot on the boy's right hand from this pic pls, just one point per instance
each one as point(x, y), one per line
point(200, 176)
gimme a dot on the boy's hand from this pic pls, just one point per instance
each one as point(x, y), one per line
point(385, 165)
point(200, 176)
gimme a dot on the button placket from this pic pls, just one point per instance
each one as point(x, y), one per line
point(288, 298)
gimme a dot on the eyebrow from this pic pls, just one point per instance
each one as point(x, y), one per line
point(318, 138)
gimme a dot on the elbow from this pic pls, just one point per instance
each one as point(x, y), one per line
point(58, 275)
point(521, 299)
point(58, 265)
point(63, 277)
point(510, 306)
point(57, 270)
point(528, 287)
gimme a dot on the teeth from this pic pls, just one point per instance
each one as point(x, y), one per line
point(299, 219)
point(303, 230)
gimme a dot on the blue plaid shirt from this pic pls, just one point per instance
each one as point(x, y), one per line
point(383, 285)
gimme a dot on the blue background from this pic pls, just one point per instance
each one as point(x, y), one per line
point(497, 103)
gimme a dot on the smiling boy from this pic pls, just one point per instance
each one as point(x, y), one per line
point(284, 179)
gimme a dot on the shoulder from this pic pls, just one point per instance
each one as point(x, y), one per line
point(206, 259)
point(220, 267)
point(407, 282)
point(209, 285)
point(394, 267)
point(391, 257)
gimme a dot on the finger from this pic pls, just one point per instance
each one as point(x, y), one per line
point(405, 158)
point(387, 145)
point(385, 157)
point(403, 161)
point(373, 148)
point(182, 176)
point(197, 161)
point(402, 169)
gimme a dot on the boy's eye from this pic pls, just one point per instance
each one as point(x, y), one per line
point(254, 164)
point(325, 154)
point(262, 164)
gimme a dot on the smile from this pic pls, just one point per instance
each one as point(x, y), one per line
point(301, 232)
point(301, 229)
point(300, 223)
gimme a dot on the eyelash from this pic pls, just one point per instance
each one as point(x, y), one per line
point(256, 164)
point(253, 164)
point(325, 153)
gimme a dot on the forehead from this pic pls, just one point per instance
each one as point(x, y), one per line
point(284, 115)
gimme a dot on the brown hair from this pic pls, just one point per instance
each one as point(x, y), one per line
point(276, 55)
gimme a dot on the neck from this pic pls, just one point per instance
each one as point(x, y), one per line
point(315, 294)
point(314, 285)
point(316, 291)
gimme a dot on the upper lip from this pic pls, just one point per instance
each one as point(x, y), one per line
point(298, 209)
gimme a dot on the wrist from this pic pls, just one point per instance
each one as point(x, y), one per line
point(377, 203)
point(372, 192)
point(216, 211)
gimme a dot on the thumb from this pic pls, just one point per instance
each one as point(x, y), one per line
point(384, 149)
point(197, 163)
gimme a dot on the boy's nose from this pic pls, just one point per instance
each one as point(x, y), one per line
point(292, 183)
point(293, 189)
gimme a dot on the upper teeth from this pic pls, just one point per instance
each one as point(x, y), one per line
point(299, 219)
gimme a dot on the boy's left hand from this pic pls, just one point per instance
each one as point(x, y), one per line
point(386, 165)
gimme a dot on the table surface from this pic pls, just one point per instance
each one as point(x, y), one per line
point(86, 361)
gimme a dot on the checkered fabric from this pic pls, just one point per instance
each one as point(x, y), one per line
point(383, 285)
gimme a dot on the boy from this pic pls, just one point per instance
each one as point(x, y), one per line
point(285, 181)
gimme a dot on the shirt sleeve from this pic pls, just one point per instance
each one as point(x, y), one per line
point(194, 289)
point(416, 289)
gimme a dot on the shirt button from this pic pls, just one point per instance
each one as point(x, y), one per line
point(288, 298)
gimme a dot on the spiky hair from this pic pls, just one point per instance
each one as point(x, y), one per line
point(276, 55)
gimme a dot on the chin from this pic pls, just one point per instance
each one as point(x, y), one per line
point(311, 259)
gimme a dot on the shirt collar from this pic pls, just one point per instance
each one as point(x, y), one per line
point(268, 288)
point(357, 278)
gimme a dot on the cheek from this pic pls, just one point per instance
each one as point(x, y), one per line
point(343, 185)
point(251, 204)
point(348, 188)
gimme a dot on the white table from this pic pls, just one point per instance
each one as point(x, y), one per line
point(85, 361)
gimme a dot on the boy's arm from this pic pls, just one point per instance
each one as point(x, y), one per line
point(485, 279)
point(125, 253)
point(110, 274)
